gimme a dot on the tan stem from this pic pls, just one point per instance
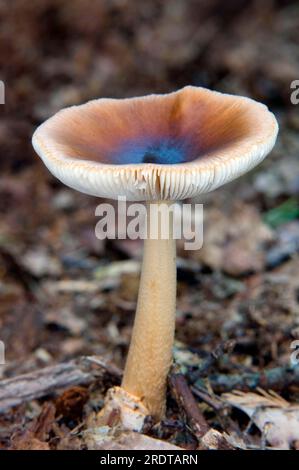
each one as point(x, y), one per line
point(150, 353)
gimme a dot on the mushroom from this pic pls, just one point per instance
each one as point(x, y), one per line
point(158, 149)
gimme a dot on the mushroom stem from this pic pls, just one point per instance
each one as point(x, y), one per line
point(150, 354)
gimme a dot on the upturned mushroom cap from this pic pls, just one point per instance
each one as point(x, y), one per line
point(157, 147)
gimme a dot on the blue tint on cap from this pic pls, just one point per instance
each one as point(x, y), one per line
point(163, 152)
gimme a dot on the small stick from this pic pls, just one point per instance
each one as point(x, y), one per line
point(208, 438)
point(212, 359)
point(39, 383)
point(277, 378)
point(213, 401)
point(110, 368)
point(188, 404)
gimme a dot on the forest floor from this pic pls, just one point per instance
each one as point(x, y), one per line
point(68, 300)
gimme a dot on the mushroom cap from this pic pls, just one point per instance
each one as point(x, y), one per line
point(157, 147)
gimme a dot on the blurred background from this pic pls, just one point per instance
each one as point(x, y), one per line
point(62, 292)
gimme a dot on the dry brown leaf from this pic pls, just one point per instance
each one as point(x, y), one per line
point(277, 419)
point(36, 436)
point(70, 403)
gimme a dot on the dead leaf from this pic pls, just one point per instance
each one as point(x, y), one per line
point(36, 436)
point(277, 419)
point(70, 403)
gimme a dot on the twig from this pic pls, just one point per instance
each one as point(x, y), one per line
point(211, 360)
point(277, 378)
point(208, 438)
point(45, 381)
point(213, 401)
point(110, 368)
point(188, 404)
